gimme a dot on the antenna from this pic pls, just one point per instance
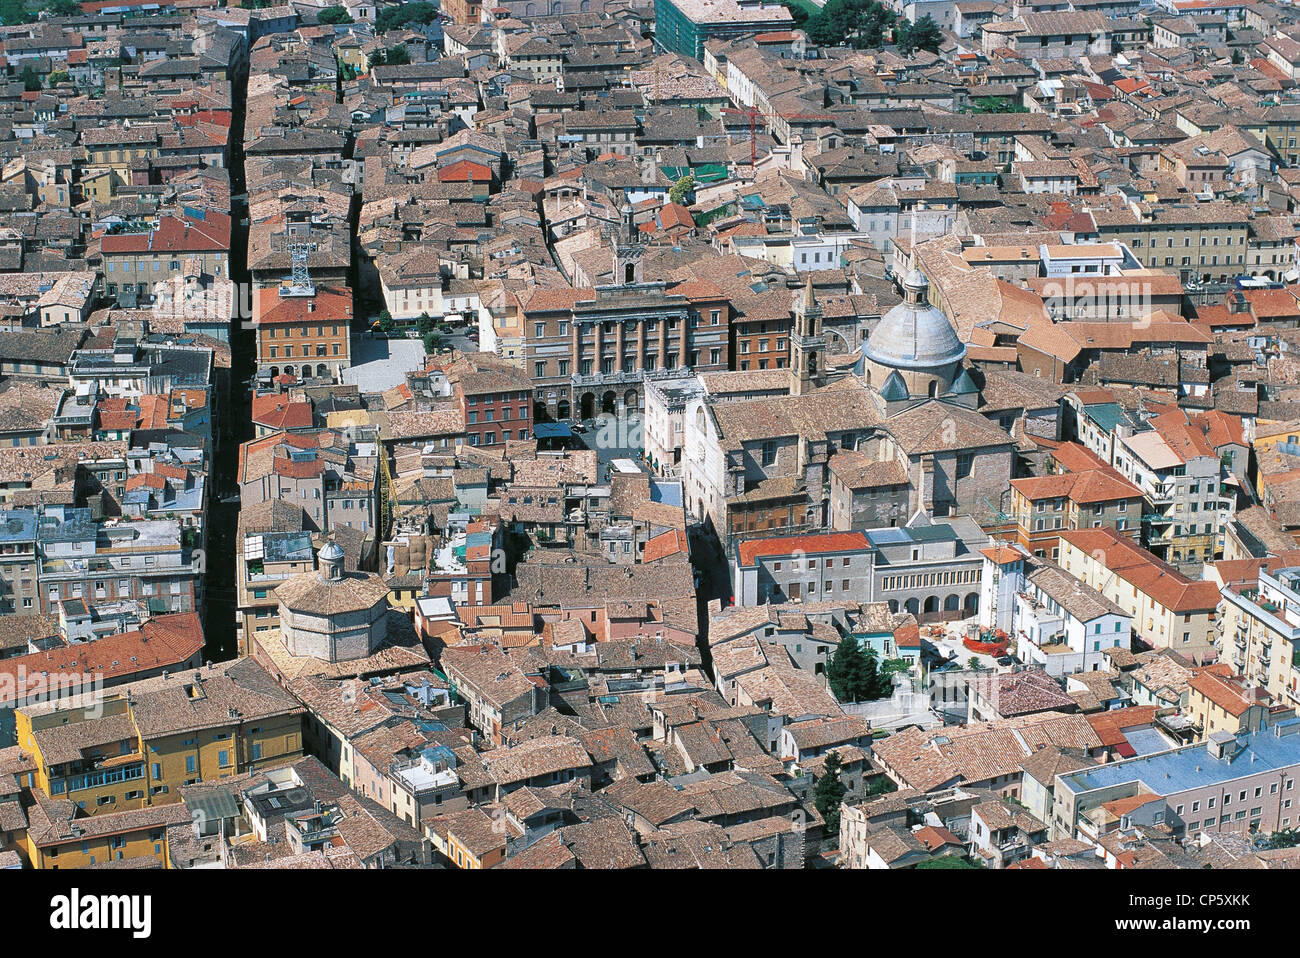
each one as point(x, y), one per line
point(300, 283)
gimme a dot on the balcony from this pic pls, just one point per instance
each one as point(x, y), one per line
point(110, 776)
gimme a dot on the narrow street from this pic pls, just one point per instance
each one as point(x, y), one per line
point(235, 416)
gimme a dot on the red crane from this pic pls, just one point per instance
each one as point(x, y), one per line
point(754, 116)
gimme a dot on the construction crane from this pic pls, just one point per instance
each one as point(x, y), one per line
point(755, 115)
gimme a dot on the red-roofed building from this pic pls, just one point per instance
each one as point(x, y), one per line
point(467, 171)
point(666, 545)
point(133, 263)
point(307, 333)
point(1044, 505)
point(164, 643)
point(812, 568)
point(1220, 700)
point(275, 412)
point(1169, 610)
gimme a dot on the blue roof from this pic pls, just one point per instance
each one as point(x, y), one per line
point(888, 536)
point(1192, 766)
point(17, 525)
point(1108, 415)
point(669, 493)
point(551, 430)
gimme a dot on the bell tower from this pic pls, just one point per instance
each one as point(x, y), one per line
point(808, 342)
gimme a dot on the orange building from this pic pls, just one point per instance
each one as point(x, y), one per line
point(464, 12)
point(303, 331)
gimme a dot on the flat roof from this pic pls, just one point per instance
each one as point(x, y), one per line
point(1192, 766)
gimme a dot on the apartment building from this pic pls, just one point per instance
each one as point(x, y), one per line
point(1202, 241)
point(496, 399)
point(1180, 475)
point(1044, 505)
point(133, 263)
point(1259, 634)
point(1060, 624)
point(812, 567)
point(303, 331)
point(142, 741)
point(18, 562)
point(496, 692)
point(1169, 610)
point(1243, 783)
point(152, 562)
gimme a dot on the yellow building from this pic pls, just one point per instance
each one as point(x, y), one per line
point(142, 741)
point(1193, 240)
point(1169, 610)
point(118, 147)
point(470, 838)
point(57, 838)
point(1219, 701)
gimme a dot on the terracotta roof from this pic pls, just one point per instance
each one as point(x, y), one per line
point(752, 549)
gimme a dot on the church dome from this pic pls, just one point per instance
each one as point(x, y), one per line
point(914, 334)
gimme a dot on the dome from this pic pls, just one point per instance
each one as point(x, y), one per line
point(333, 552)
point(914, 334)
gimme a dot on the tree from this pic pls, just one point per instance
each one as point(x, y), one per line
point(334, 14)
point(882, 785)
point(844, 670)
point(876, 682)
point(59, 76)
point(15, 12)
point(397, 56)
point(31, 79)
point(681, 189)
point(405, 15)
point(386, 323)
point(854, 674)
point(922, 35)
point(828, 793)
point(63, 8)
point(996, 104)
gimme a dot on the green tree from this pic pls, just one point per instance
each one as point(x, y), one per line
point(681, 189)
point(948, 861)
point(882, 785)
point(922, 35)
point(31, 79)
point(828, 793)
point(386, 323)
point(397, 56)
point(844, 670)
point(63, 8)
point(877, 682)
point(59, 76)
point(334, 14)
point(15, 12)
point(996, 104)
point(405, 15)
